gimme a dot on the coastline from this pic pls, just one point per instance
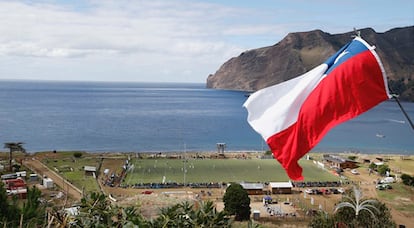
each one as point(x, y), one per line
point(350, 151)
point(229, 154)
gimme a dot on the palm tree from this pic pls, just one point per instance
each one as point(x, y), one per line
point(33, 209)
point(167, 217)
point(130, 216)
point(13, 147)
point(358, 205)
point(96, 210)
point(208, 216)
point(187, 215)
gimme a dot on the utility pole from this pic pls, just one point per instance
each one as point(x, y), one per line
point(185, 164)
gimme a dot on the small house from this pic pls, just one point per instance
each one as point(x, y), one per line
point(253, 188)
point(47, 182)
point(89, 170)
point(14, 183)
point(256, 214)
point(336, 161)
point(281, 187)
point(21, 193)
point(33, 177)
point(21, 174)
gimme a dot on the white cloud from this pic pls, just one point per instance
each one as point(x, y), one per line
point(148, 26)
point(122, 30)
point(136, 40)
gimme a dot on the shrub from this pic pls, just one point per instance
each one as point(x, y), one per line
point(382, 169)
point(77, 154)
point(352, 157)
point(407, 179)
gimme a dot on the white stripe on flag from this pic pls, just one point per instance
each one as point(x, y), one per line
point(277, 107)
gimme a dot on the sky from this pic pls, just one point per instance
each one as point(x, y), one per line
point(165, 40)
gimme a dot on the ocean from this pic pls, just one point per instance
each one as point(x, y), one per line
point(167, 117)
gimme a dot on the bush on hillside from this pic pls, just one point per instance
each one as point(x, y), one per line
point(407, 179)
point(77, 154)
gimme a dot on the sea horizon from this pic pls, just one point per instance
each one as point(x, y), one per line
point(125, 117)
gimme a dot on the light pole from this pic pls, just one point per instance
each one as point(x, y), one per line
point(185, 165)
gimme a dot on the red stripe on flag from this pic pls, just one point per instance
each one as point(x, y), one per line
point(349, 90)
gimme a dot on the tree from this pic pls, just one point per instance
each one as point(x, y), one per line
point(407, 179)
point(33, 211)
point(9, 212)
point(372, 166)
point(354, 212)
point(268, 152)
point(96, 210)
point(31, 214)
point(357, 204)
point(352, 157)
point(130, 216)
point(382, 169)
point(237, 202)
point(185, 215)
point(208, 216)
point(322, 220)
point(77, 154)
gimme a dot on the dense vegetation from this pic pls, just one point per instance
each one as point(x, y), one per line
point(96, 210)
point(381, 169)
point(13, 214)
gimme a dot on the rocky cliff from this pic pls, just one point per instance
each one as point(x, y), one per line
point(299, 52)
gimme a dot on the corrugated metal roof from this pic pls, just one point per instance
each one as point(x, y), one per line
point(252, 185)
point(281, 185)
point(90, 168)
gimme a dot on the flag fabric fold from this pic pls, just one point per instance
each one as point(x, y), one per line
point(294, 116)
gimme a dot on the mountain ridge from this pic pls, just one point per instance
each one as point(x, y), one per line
point(299, 52)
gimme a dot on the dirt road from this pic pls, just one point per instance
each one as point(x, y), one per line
point(38, 167)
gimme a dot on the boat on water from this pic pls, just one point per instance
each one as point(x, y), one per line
point(380, 135)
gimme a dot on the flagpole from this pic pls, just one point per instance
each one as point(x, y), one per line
point(403, 111)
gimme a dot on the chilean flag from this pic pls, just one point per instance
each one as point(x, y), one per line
point(295, 115)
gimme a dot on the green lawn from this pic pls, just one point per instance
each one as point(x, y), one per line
point(399, 197)
point(405, 166)
point(218, 170)
point(76, 175)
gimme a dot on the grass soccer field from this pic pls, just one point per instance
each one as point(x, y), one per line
point(217, 170)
